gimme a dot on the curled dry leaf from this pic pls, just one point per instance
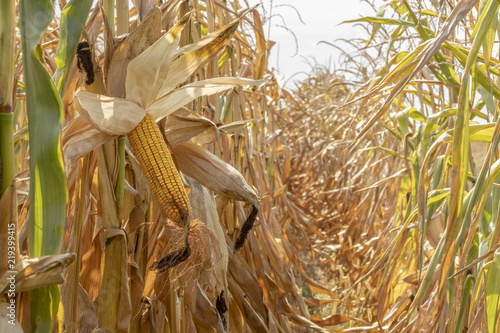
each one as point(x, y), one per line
point(111, 115)
point(183, 125)
point(79, 138)
point(214, 173)
point(143, 80)
point(38, 272)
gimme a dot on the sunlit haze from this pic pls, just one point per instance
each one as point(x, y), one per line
point(320, 22)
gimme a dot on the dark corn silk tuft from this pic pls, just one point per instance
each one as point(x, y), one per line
point(84, 61)
point(245, 229)
point(172, 259)
point(221, 307)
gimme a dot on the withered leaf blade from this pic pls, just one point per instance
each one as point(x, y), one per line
point(139, 40)
point(147, 71)
point(190, 58)
point(38, 272)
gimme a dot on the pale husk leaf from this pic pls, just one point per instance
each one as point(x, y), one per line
point(147, 72)
point(213, 173)
point(176, 99)
point(79, 138)
point(111, 115)
point(188, 59)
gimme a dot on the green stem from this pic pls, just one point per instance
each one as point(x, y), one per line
point(7, 169)
point(120, 181)
point(77, 228)
point(110, 12)
point(7, 37)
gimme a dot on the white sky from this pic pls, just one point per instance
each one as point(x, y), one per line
point(322, 19)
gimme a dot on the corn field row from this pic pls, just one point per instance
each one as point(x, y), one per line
point(157, 177)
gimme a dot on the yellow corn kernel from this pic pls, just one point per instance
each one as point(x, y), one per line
point(154, 157)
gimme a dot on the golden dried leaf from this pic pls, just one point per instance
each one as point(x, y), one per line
point(38, 272)
point(139, 40)
point(190, 58)
point(147, 72)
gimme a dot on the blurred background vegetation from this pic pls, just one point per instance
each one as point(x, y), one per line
point(376, 182)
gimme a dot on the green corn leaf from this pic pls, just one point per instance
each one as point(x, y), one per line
point(493, 294)
point(47, 180)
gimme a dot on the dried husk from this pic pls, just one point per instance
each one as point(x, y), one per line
point(214, 173)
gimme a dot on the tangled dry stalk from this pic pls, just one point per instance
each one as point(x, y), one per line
point(373, 214)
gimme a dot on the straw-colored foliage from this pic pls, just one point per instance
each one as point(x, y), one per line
point(199, 69)
point(374, 186)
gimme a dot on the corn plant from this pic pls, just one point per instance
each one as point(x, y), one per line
point(109, 239)
point(438, 100)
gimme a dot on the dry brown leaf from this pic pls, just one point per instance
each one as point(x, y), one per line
point(147, 72)
point(206, 312)
point(183, 125)
point(169, 12)
point(37, 272)
point(302, 321)
point(148, 32)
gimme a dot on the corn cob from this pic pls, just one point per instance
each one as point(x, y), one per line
point(154, 157)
